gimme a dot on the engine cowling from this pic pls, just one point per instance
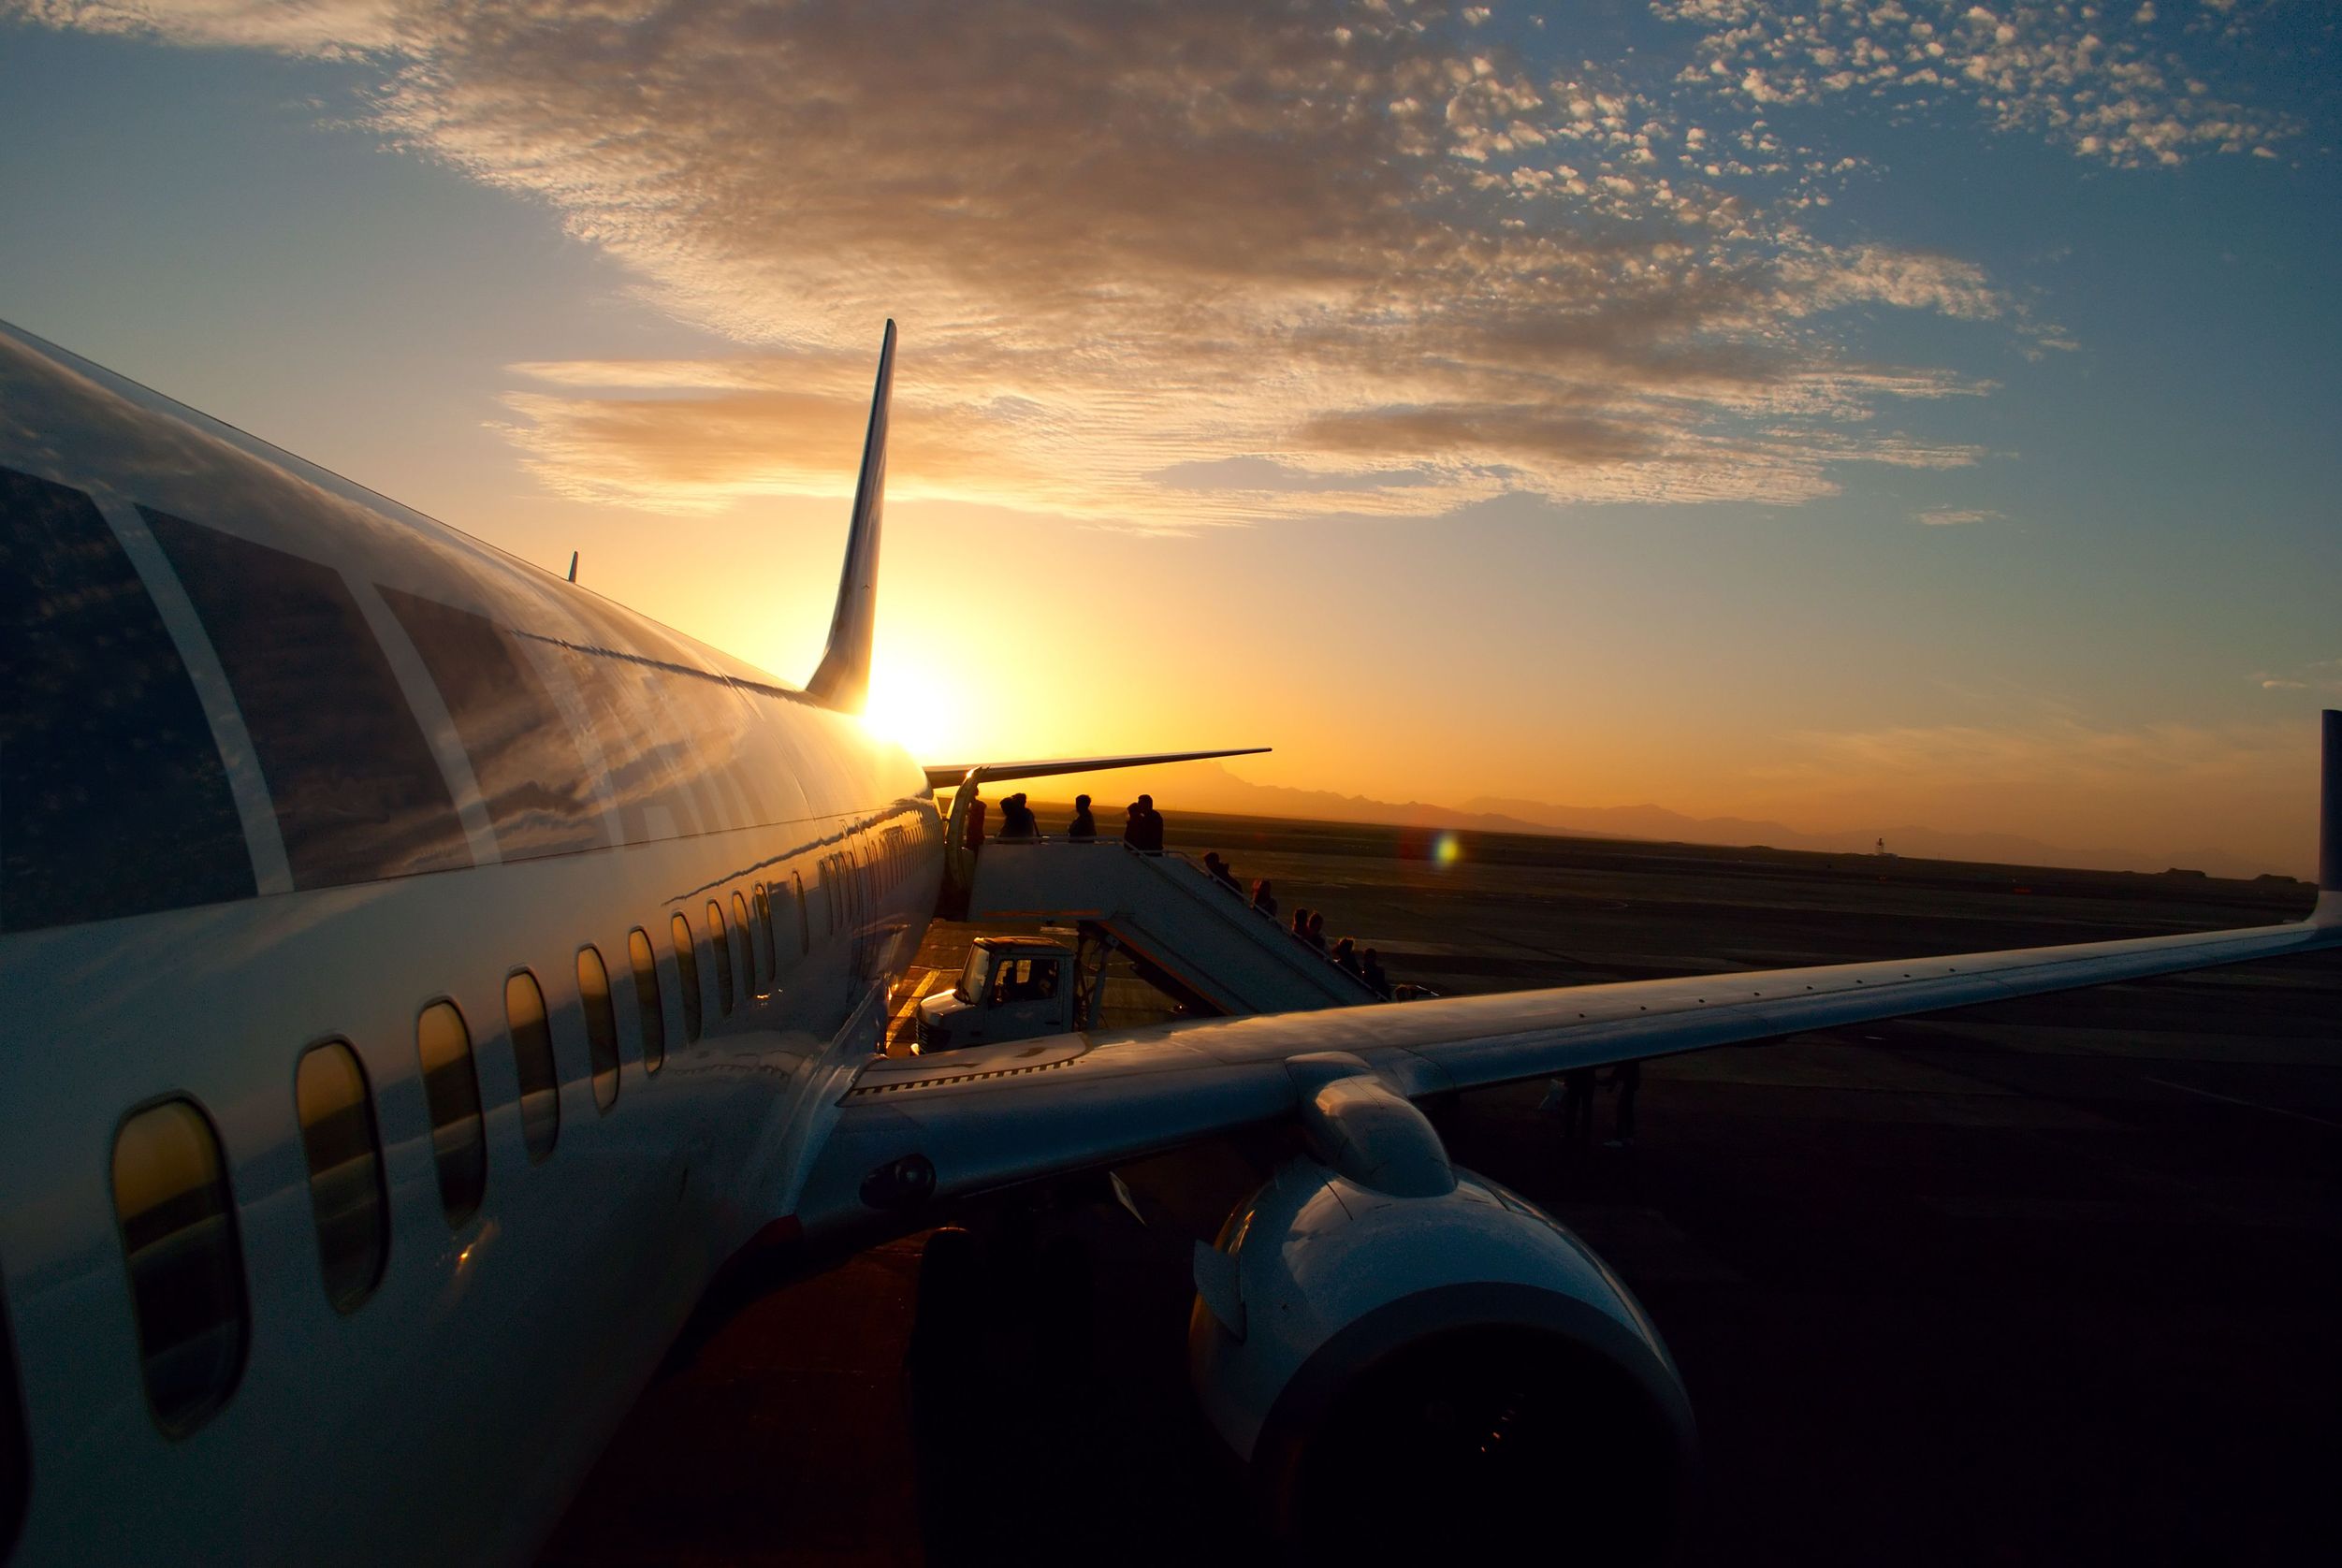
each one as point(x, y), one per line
point(1410, 1357)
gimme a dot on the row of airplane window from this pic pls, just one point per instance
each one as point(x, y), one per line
point(177, 1210)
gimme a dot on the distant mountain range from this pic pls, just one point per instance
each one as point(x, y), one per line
point(1212, 787)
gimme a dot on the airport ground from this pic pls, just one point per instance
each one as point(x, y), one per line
point(2047, 1282)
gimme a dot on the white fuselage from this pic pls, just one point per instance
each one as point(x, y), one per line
point(450, 1412)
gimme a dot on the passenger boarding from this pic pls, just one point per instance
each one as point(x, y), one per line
point(425, 978)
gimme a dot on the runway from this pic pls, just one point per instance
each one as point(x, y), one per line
point(2043, 1281)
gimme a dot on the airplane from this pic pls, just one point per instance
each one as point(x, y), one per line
point(427, 983)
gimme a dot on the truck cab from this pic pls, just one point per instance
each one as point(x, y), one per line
point(1013, 988)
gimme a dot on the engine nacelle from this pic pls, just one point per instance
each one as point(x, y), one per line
point(1412, 1357)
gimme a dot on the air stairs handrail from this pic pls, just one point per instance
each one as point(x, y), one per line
point(1219, 890)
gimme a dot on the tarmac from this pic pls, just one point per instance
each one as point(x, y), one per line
point(2043, 1281)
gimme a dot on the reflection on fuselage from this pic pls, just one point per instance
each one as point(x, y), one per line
point(324, 825)
point(412, 700)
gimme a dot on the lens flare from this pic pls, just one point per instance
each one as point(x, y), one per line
point(1447, 849)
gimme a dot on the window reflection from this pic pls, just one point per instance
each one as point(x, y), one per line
point(751, 960)
point(719, 950)
point(533, 1060)
point(601, 1025)
point(687, 978)
point(345, 1181)
point(647, 1004)
point(451, 1089)
point(186, 1277)
point(766, 946)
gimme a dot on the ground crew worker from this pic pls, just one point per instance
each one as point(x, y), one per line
point(1626, 1080)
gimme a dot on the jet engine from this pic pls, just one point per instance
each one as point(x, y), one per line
point(1412, 1357)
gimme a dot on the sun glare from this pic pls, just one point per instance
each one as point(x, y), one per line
point(917, 710)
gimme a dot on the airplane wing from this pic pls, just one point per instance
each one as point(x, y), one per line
point(952, 775)
point(911, 1132)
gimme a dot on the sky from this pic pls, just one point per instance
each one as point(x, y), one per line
point(1835, 414)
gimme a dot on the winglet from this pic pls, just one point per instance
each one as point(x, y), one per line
point(842, 681)
point(2329, 911)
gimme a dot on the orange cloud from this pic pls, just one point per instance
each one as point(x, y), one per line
point(1367, 246)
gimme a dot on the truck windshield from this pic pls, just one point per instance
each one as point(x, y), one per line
point(975, 977)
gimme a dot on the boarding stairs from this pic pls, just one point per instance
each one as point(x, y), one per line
point(1177, 921)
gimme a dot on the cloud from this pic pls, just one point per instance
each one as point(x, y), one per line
point(2322, 676)
point(328, 27)
point(1952, 516)
point(1127, 241)
point(2064, 70)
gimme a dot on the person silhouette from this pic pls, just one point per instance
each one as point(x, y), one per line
point(1626, 1081)
point(1083, 828)
point(1572, 1093)
point(975, 838)
point(1016, 819)
point(1370, 970)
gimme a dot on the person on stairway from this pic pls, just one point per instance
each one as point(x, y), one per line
point(1083, 828)
point(1150, 824)
point(975, 820)
point(1016, 819)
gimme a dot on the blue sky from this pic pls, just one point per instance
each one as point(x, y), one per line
point(1960, 451)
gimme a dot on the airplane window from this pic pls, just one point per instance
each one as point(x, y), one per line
point(601, 1025)
point(357, 791)
point(687, 978)
point(345, 1179)
point(719, 950)
point(805, 926)
point(186, 1277)
point(647, 1004)
point(532, 1059)
point(451, 1088)
point(117, 803)
point(764, 943)
point(752, 961)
